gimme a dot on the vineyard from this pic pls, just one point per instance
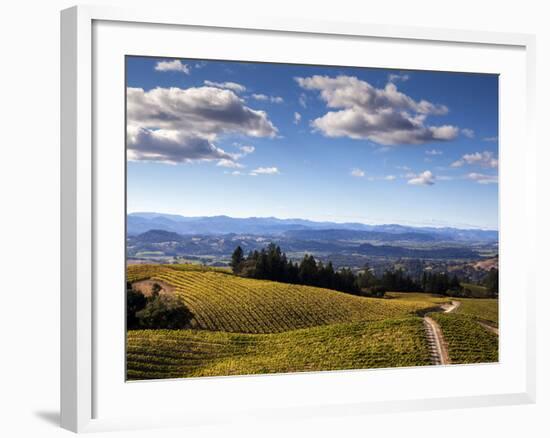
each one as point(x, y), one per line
point(424, 298)
point(482, 309)
point(159, 354)
point(224, 302)
point(467, 341)
point(247, 326)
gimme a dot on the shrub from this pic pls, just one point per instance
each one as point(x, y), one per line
point(375, 291)
point(164, 312)
point(135, 301)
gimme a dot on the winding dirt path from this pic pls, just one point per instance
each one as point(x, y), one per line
point(449, 308)
point(438, 348)
point(489, 327)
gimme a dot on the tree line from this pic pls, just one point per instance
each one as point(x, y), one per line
point(271, 263)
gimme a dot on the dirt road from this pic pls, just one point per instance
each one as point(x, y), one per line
point(438, 348)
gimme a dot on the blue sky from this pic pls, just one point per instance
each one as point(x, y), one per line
point(323, 143)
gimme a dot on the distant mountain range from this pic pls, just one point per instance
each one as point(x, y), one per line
point(138, 223)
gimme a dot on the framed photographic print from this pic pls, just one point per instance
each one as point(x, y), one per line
point(258, 208)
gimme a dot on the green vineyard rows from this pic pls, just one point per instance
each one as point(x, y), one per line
point(480, 308)
point(223, 302)
point(247, 326)
point(467, 341)
point(159, 354)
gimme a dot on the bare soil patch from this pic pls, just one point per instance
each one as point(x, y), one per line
point(146, 287)
point(488, 327)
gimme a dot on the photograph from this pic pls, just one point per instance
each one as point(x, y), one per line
point(287, 218)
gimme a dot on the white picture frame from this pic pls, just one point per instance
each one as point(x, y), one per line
point(85, 177)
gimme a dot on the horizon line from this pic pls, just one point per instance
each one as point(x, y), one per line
point(335, 221)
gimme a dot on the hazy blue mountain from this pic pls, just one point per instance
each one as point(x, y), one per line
point(354, 235)
point(138, 223)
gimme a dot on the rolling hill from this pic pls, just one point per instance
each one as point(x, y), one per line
point(224, 302)
point(245, 326)
point(162, 354)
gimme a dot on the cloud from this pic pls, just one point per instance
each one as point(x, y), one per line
point(175, 125)
point(170, 146)
point(425, 178)
point(385, 116)
point(302, 100)
point(433, 152)
point(265, 171)
point(358, 173)
point(297, 118)
point(483, 159)
point(237, 88)
point(243, 152)
point(229, 163)
point(266, 98)
point(492, 139)
point(175, 65)
point(247, 149)
point(482, 178)
point(394, 77)
point(467, 132)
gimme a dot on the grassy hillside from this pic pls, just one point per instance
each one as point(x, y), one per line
point(467, 341)
point(223, 302)
point(246, 326)
point(479, 308)
point(420, 297)
point(158, 354)
point(476, 290)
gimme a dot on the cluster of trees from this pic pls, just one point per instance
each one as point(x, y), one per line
point(491, 281)
point(157, 311)
point(439, 283)
point(272, 264)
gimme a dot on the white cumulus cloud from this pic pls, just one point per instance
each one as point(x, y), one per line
point(358, 173)
point(483, 159)
point(297, 118)
point(170, 146)
point(396, 77)
point(265, 171)
point(175, 125)
point(482, 178)
point(229, 163)
point(175, 65)
point(425, 178)
point(385, 116)
point(266, 98)
point(467, 132)
point(247, 149)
